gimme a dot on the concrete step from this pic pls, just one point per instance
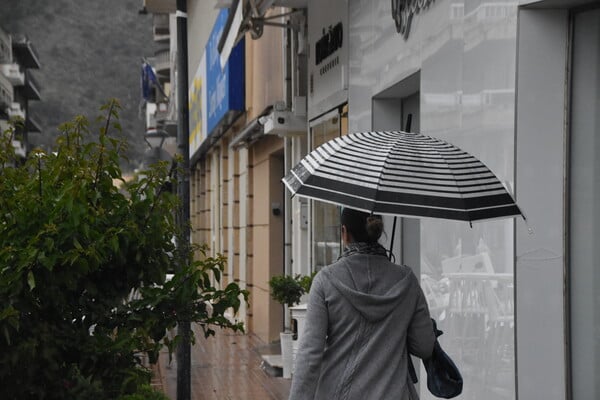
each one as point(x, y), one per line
point(272, 364)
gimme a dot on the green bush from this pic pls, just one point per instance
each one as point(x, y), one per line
point(74, 247)
point(288, 289)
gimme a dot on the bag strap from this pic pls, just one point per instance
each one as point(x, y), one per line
point(411, 370)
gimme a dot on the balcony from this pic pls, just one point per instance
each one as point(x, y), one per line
point(160, 6)
point(24, 53)
point(19, 148)
point(156, 115)
point(6, 94)
point(13, 73)
point(162, 64)
point(160, 27)
point(30, 90)
point(5, 48)
point(16, 111)
point(31, 125)
point(161, 113)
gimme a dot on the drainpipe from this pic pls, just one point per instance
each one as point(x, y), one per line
point(183, 190)
point(287, 235)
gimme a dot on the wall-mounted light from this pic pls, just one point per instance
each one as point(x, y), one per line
point(155, 137)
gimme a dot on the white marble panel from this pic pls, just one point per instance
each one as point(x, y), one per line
point(466, 54)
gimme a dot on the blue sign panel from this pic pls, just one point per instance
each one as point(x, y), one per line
point(225, 87)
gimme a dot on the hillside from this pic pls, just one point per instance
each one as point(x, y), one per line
point(89, 51)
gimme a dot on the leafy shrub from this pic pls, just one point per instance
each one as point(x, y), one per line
point(83, 263)
point(288, 289)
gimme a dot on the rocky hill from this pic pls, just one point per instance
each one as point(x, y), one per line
point(89, 51)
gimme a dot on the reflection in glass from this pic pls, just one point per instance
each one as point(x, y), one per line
point(467, 278)
point(326, 236)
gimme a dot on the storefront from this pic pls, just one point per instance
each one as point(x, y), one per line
point(327, 104)
point(509, 83)
point(243, 111)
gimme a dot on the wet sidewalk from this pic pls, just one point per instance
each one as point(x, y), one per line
point(225, 367)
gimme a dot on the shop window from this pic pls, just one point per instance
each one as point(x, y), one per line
point(325, 221)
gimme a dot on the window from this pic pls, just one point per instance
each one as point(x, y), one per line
point(325, 229)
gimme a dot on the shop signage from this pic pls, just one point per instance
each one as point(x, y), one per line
point(198, 107)
point(224, 86)
point(328, 55)
point(327, 45)
point(403, 12)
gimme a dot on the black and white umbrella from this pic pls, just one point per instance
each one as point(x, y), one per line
point(403, 174)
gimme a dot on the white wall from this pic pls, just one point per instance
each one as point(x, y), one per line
point(540, 152)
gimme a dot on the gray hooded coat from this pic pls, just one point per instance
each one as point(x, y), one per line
point(364, 315)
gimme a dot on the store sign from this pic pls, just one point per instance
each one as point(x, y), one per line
point(331, 41)
point(403, 12)
point(198, 107)
point(224, 86)
point(328, 55)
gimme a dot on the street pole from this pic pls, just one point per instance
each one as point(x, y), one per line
point(183, 190)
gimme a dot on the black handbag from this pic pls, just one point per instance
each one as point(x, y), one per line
point(443, 377)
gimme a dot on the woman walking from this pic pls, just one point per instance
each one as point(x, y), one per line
point(365, 315)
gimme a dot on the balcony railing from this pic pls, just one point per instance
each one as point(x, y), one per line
point(6, 93)
point(161, 24)
point(19, 148)
point(5, 48)
point(14, 74)
point(30, 90)
point(15, 110)
point(162, 63)
point(24, 52)
point(31, 125)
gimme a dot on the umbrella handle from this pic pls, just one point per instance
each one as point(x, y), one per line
point(392, 240)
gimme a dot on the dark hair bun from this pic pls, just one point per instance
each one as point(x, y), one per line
point(363, 227)
point(374, 228)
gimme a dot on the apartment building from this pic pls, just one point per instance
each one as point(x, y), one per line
point(18, 87)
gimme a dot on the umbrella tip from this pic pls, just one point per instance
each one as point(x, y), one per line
point(529, 228)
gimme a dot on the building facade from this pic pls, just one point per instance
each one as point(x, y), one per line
point(18, 87)
point(515, 83)
point(237, 155)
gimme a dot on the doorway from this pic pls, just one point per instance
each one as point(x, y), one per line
point(398, 108)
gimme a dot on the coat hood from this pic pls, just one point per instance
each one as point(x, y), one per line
point(371, 293)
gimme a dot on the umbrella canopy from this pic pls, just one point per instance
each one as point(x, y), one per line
point(400, 173)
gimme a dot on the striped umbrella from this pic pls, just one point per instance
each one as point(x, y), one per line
point(400, 173)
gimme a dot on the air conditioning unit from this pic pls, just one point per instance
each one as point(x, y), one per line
point(283, 123)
